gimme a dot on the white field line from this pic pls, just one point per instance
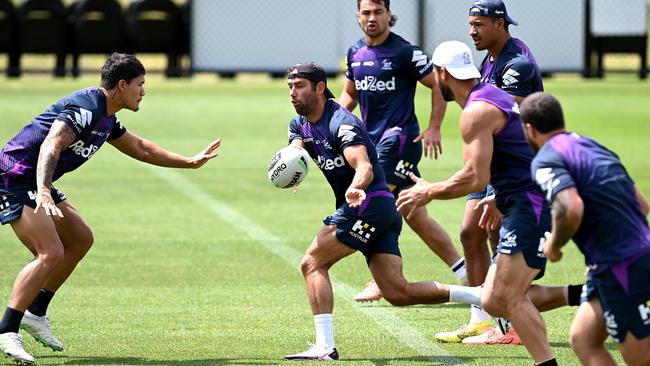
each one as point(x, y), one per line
point(384, 317)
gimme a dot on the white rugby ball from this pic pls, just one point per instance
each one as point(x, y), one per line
point(288, 167)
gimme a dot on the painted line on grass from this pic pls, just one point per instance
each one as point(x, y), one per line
point(384, 317)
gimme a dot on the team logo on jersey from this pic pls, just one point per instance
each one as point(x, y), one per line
point(346, 133)
point(419, 58)
point(371, 83)
point(83, 118)
point(82, 150)
point(330, 164)
point(386, 64)
point(362, 231)
point(546, 180)
point(510, 77)
point(644, 311)
point(403, 168)
point(326, 144)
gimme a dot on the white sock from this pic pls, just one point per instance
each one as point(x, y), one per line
point(324, 331)
point(466, 295)
point(460, 270)
point(478, 315)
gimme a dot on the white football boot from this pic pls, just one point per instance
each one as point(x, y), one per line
point(315, 353)
point(11, 344)
point(39, 328)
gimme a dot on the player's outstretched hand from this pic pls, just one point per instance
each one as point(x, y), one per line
point(491, 217)
point(44, 200)
point(432, 142)
point(206, 154)
point(552, 254)
point(414, 197)
point(354, 197)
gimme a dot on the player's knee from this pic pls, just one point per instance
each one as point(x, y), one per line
point(51, 257)
point(494, 303)
point(579, 341)
point(309, 264)
point(471, 237)
point(396, 298)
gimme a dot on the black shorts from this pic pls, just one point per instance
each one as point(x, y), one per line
point(626, 306)
point(17, 194)
point(526, 218)
point(399, 156)
point(372, 228)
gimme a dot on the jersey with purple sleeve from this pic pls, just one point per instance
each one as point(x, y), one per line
point(85, 112)
point(385, 77)
point(613, 228)
point(514, 71)
point(325, 141)
point(511, 157)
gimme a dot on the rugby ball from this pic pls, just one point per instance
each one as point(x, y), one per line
point(288, 167)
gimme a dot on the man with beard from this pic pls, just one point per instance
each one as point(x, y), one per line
point(596, 203)
point(366, 218)
point(383, 70)
point(495, 151)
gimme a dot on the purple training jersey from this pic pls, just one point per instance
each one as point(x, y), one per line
point(325, 141)
point(613, 228)
point(85, 112)
point(385, 77)
point(515, 70)
point(510, 167)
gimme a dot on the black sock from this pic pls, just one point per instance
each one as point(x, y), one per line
point(11, 321)
point(551, 362)
point(41, 302)
point(574, 294)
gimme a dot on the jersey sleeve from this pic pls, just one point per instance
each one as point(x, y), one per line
point(348, 64)
point(516, 76)
point(117, 131)
point(348, 132)
point(550, 173)
point(419, 64)
point(293, 132)
point(76, 117)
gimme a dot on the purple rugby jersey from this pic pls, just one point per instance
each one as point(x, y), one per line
point(510, 166)
point(385, 77)
point(85, 112)
point(325, 141)
point(515, 70)
point(613, 228)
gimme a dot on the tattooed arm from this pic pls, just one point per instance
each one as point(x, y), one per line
point(567, 213)
point(58, 139)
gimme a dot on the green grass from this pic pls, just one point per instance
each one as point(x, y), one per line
point(171, 280)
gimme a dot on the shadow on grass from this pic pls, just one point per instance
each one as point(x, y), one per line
point(426, 306)
point(135, 361)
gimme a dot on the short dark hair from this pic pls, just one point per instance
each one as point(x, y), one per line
point(543, 111)
point(386, 3)
point(120, 66)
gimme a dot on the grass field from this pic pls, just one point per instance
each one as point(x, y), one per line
point(195, 268)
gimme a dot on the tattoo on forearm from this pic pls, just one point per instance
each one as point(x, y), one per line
point(562, 228)
point(58, 139)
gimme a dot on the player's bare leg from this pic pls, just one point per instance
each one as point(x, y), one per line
point(77, 238)
point(386, 269)
point(504, 294)
point(588, 335)
point(636, 352)
point(324, 251)
point(38, 233)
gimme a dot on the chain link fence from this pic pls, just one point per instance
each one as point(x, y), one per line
point(231, 36)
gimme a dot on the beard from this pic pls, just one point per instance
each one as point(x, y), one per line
point(447, 94)
point(306, 107)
